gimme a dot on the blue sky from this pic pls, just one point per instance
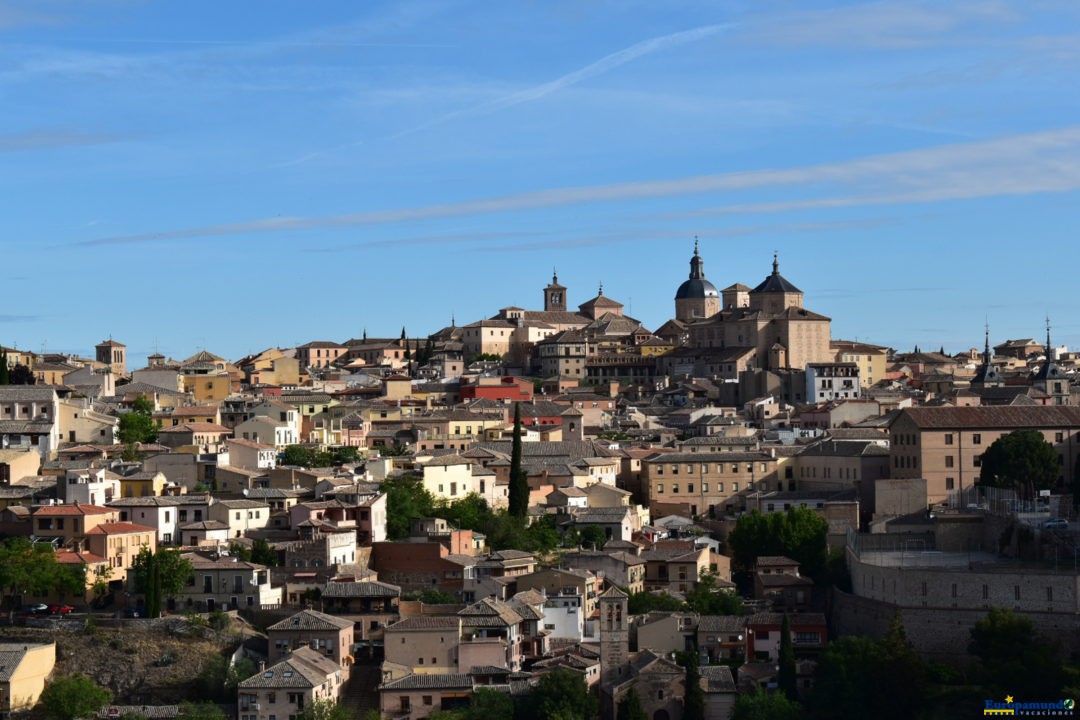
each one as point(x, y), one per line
point(242, 175)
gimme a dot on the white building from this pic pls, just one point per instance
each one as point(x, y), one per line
point(832, 381)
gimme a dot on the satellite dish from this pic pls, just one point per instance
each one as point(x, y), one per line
point(244, 492)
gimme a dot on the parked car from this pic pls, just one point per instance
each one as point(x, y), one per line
point(37, 609)
point(1056, 524)
point(60, 609)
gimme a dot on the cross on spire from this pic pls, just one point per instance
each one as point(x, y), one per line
point(695, 245)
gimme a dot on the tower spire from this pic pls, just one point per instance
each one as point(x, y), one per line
point(775, 263)
point(1048, 338)
point(695, 245)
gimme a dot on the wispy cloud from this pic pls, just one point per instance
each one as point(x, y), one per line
point(446, 239)
point(19, 318)
point(887, 24)
point(43, 138)
point(603, 65)
point(1019, 165)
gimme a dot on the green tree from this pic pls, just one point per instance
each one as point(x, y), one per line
point(857, 677)
point(159, 575)
point(903, 688)
point(70, 697)
point(707, 598)
point(799, 534)
point(469, 513)
point(694, 699)
point(137, 425)
point(1014, 658)
point(5, 376)
point(205, 710)
point(519, 482)
point(594, 536)
point(324, 710)
point(630, 708)
point(563, 694)
point(406, 498)
point(263, 554)
point(1022, 460)
point(31, 568)
point(786, 678)
point(298, 455)
point(433, 596)
point(485, 704)
point(643, 602)
point(762, 705)
point(844, 679)
point(21, 375)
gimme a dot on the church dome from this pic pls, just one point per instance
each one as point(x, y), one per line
point(697, 286)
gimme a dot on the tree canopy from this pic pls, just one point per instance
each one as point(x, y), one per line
point(857, 677)
point(1014, 658)
point(562, 694)
point(763, 705)
point(799, 534)
point(70, 697)
point(304, 456)
point(137, 426)
point(158, 575)
point(324, 710)
point(707, 598)
point(31, 568)
point(519, 482)
point(630, 708)
point(406, 498)
point(1022, 460)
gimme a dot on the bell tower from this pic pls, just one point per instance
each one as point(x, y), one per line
point(555, 294)
point(614, 637)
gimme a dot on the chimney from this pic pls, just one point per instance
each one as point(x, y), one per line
point(262, 666)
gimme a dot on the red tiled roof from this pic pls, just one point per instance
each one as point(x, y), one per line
point(66, 510)
point(67, 557)
point(203, 427)
point(119, 528)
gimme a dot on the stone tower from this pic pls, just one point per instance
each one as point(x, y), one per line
point(614, 638)
point(555, 294)
point(696, 298)
point(113, 354)
point(1050, 378)
point(987, 375)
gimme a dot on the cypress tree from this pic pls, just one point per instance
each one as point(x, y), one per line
point(519, 483)
point(694, 699)
point(786, 678)
point(5, 376)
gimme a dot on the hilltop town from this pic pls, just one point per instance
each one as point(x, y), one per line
point(551, 512)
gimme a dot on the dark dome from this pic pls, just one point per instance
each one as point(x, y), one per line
point(696, 288)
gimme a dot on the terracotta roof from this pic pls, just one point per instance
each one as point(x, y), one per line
point(311, 620)
point(304, 668)
point(1007, 416)
point(119, 528)
point(67, 510)
point(202, 427)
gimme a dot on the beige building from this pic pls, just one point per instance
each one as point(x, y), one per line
point(326, 634)
point(872, 360)
point(701, 483)
point(944, 445)
point(23, 670)
point(120, 543)
point(782, 333)
point(285, 689)
point(421, 645)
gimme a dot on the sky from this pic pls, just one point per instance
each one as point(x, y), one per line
point(236, 176)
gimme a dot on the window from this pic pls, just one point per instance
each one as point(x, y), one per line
point(977, 460)
point(1049, 594)
point(675, 488)
point(1016, 591)
point(427, 699)
point(986, 592)
point(704, 487)
point(734, 487)
point(949, 461)
point(660, 488)
point(954, 589)
point(948, 438)
point(1059, 437)
point(976, 439)
point(950, 483)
